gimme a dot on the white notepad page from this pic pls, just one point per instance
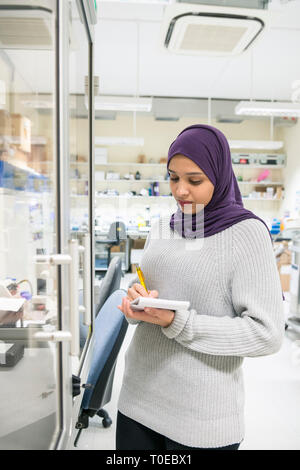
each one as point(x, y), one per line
point(141, 302)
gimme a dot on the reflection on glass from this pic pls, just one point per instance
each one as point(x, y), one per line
point(28, 296)
point(79, 148)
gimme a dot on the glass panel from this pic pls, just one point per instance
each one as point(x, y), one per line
point(28, 395)
point(79, 147)
point(28, 297)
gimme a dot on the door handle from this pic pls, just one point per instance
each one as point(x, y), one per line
point(86, 279)
point(73, 261)
point(75, 309)
point(74, 301)
point(53, 259)
point(55, 336)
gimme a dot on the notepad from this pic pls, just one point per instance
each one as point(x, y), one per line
point(141, 302)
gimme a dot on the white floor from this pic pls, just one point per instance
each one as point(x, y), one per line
point(272, 386)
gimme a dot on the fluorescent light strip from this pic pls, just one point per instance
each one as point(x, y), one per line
point(268, 108)
point(157, 2)
point(256, 144)
point(123, 103)
point(38, 104)
point(130, 141)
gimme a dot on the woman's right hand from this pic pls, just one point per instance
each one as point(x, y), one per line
point(137, 290)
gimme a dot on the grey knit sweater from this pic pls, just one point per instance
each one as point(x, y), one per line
point(185, 381)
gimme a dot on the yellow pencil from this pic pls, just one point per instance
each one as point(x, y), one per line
point(141, 278)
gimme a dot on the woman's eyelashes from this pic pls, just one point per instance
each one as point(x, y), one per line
point(191, 182)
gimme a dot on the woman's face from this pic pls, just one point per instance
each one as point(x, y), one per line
point(189, 185)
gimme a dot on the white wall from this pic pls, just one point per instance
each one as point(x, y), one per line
point(291, 137)
point(159, 135)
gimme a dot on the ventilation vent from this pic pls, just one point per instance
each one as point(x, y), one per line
point(211, 31)
point(25, 27)
point(24, 33)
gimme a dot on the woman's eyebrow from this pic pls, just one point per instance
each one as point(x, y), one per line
point(191, 173)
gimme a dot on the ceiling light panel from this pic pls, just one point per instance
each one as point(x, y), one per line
point(122, 103)
point(268, 108)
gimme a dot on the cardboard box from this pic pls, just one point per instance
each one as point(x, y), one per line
point(81, 158)
point(21, 129)
point(37, 158)
point(284, 258)
point(285, 280)
point(285, 276)
point(279, 192)
point(5, 123)
point(138, 244)
point(141, 158)
point(133, 268)
point(20, 157)
point(115, 249)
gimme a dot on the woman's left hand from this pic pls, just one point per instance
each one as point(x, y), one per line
point(158, 316)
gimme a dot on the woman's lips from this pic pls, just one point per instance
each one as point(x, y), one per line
point(182, 203)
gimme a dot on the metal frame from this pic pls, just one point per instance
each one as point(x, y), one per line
point(86, 356)
point(69, 406)
point(62, 191)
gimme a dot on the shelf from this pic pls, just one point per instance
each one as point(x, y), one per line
point(261, 199)
point(23, 192)
point(164, 165)
point(273, 183)
point(171, 197)
point(16, 140)
point(134, 197)
point(132, 181)
point(121, 180)
point(161, 165)
point(236, 165)
point(11, 192)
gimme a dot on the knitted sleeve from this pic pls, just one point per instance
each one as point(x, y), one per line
point(257, 326)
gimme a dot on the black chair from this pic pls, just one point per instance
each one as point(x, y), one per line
point(110, 283)
point(110, 330)
point(116, 235)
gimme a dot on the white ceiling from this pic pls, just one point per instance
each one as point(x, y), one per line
point(127, 66)
point(276, 57)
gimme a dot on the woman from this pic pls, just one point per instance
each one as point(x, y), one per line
point(183, 384)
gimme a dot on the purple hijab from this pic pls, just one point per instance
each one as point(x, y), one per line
point(209, 149)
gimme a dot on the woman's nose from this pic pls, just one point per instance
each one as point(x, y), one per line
point(182, 189)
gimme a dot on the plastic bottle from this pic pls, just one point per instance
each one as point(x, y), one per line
point(275, 226)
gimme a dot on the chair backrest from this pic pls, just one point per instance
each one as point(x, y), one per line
point(117, 231)
point(110, 282)
point(110, 330)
